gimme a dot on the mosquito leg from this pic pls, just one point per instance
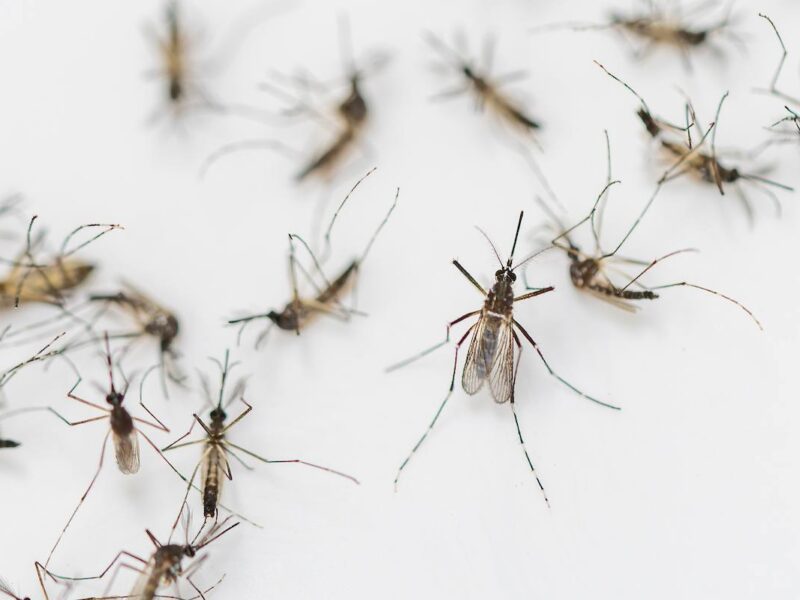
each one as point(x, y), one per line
point(446, 340)
point(516, 421)
point(438, 412)
point(103, 573)
point(556, 375)
point(533, 294)
point(653, 264)
point(183, 437)
point(80, 502)
point(72, 396)
point(229, 445)
point(157, 425)
point(710, 291)
point(469, 277)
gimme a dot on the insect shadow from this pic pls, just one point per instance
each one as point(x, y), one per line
point(660, 27)
point(597, 272)
point(345, 118)
point(217, 449)
point(490, 357)
point(300, 311)
point(691, 158)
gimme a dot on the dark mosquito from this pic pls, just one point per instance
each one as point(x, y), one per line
point(662, 28)
point(214, 464)
point(124, 430)
point(690, 158)
point(595, 272)
point(346, 118)
point(47, 280)
point(164, 567)
point(490, 357)
point(300, 311)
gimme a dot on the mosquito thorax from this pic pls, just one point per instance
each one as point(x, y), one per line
point(583, 272)
point(165, 327)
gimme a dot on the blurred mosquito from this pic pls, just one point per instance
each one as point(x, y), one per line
point(594, 272)
point(124, 429)
point(477, 80)
point(660, 27)
point(152, 321)
point(41, 575)
point(299, 311)
point(490, 357)
point(217, 449)
point(164, 567)
point(46, 281)
point(346, 119)
point(691, 159)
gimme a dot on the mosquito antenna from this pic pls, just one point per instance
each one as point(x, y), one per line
point(438, 44)
point(530, 257)
point(108, 227)
point(327, 237)
point(380, 227)
point(767, 181)
point(213, 535)
point(494, 249)
point(510, 260)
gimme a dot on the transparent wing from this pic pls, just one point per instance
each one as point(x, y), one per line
point(126, 449)
point(501, 377)
point(481, 353)
point(146, 584)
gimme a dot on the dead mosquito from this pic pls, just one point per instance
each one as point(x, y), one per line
point(486, 89)
point(595, 272)
point(346, 118)
point(490, 357)
point(46, 280)
point(690, 158)
point(300, 311)
point(124, 429)
point(793, 118)
point(662, 28)
point(152, 321)
point(164, 567)
point(214, 464)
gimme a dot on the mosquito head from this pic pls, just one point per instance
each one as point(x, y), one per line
point(505, 274)
point(115, 398)
point(189, 551)
point(218, 415)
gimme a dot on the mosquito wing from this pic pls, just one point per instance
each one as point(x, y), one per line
point(126, 449)
point(501, 377)
point(146, 584)
point(482, 353)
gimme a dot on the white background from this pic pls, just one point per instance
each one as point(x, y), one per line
point(691, 491)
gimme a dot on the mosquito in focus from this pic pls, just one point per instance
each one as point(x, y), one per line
point(214, 465)
point(164, 567)
point(690, 158)
point(595, 273)
point(662, 28)
point(490, 357)
point(124, 430)
point(46, 281)
point(299, 311)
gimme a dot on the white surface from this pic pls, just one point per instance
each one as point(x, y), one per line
point(690, 492)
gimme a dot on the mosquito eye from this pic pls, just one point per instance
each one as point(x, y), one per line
point(498, 273)
point(513, 277)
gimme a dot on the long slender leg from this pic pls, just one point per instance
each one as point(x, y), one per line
point(710, 291)
point(556, 375)
point(653, 263)
point(516, 421)
point(438, 412)
point(102, 574)
point(83, 497)
point(533, 294)
point(446, 340)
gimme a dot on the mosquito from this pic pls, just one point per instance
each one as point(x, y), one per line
point(692, 159)
point(152, 320)
point(217, 449)
point(490, 357)
point(46, 281)
point(346, 119)
point(595, 272)
point(164, 567)
point(660, 28)
point(299, 311)
point(124, 429)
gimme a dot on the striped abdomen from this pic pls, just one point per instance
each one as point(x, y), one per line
point(625, 294)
